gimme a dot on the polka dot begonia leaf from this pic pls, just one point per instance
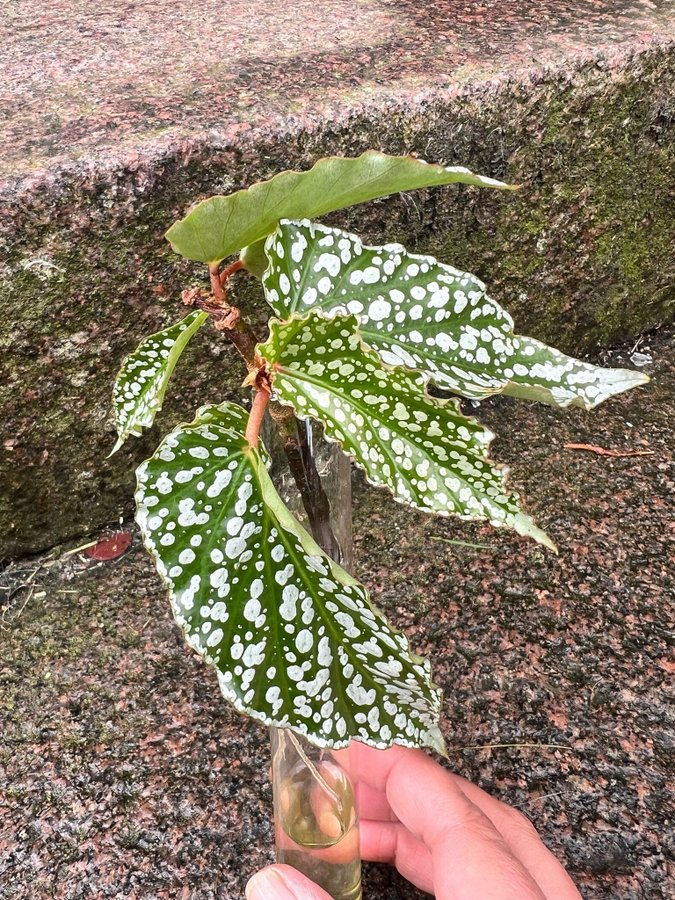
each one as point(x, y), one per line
point(293, 637)
point(141, 383)
point(427, 316)
point(423, 449)
point(223, 225)
point(538, 372)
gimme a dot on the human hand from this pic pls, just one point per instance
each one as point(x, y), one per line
point(444, 834)
point(283, 883)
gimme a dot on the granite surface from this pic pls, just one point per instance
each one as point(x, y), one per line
point(117, 117)
point(124, 774)
point(123, 76)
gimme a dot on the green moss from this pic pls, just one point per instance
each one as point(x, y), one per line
point(580, 254)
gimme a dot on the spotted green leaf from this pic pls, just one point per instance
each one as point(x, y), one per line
point(293, 637)
point(538, 372)
point(222, 225)
point(427, 316)
point(424, 450)
point(141, 383)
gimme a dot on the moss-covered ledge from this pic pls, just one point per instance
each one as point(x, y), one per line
point(580, 255)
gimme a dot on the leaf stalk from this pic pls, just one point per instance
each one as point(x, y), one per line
point(229, 271)
point(256, 415)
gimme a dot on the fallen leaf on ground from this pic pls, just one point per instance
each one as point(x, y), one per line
point(111, 548)
point(603, 452)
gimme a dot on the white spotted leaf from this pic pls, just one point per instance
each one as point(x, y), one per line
point(538, 372)
point(222, 225)
point(142, 381)
point(424, 450)
point(292, 636)
point(427, 316)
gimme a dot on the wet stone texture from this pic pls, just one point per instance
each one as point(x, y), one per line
point(119, 116)
point(123, 773)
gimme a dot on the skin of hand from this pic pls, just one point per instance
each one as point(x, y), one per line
point(444, 834)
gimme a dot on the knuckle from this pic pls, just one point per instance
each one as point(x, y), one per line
point(520, 822)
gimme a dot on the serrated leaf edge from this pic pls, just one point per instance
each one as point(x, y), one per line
point(434, 739)
point(523, 524)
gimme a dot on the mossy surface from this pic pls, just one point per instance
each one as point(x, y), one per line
point(579, 256)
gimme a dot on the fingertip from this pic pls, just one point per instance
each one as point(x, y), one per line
point(280, 882)
point(373, 766)
point(266, 885)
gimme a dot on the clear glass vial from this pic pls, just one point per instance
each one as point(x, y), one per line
point(315, 813)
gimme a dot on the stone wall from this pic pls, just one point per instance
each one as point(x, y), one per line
point(582, 255)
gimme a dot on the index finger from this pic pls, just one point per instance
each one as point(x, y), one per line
point(410, 781)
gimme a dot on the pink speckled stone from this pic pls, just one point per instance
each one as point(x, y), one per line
point(82, 78)
point(124, 774)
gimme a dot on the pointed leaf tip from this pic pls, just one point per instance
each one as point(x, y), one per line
point(142, 381)
point(526, 527)
point(118, 444)
point(538, 372)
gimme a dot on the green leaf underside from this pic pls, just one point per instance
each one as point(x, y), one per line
point(424, 450)
point(427, 316)
point(293, 637)
point(142, 381)
point(222, 225)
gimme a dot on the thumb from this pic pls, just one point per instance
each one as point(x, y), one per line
point(283, 883)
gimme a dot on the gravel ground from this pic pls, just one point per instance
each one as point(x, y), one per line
point(124, 774)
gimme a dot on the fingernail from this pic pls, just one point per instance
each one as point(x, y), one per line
point(269, 885)
point(282, 883)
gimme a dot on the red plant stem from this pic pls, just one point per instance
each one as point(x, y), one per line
point(256, 416)
point(302, 465)
point(219, 279)
point(228, 271)
point(216, 284)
